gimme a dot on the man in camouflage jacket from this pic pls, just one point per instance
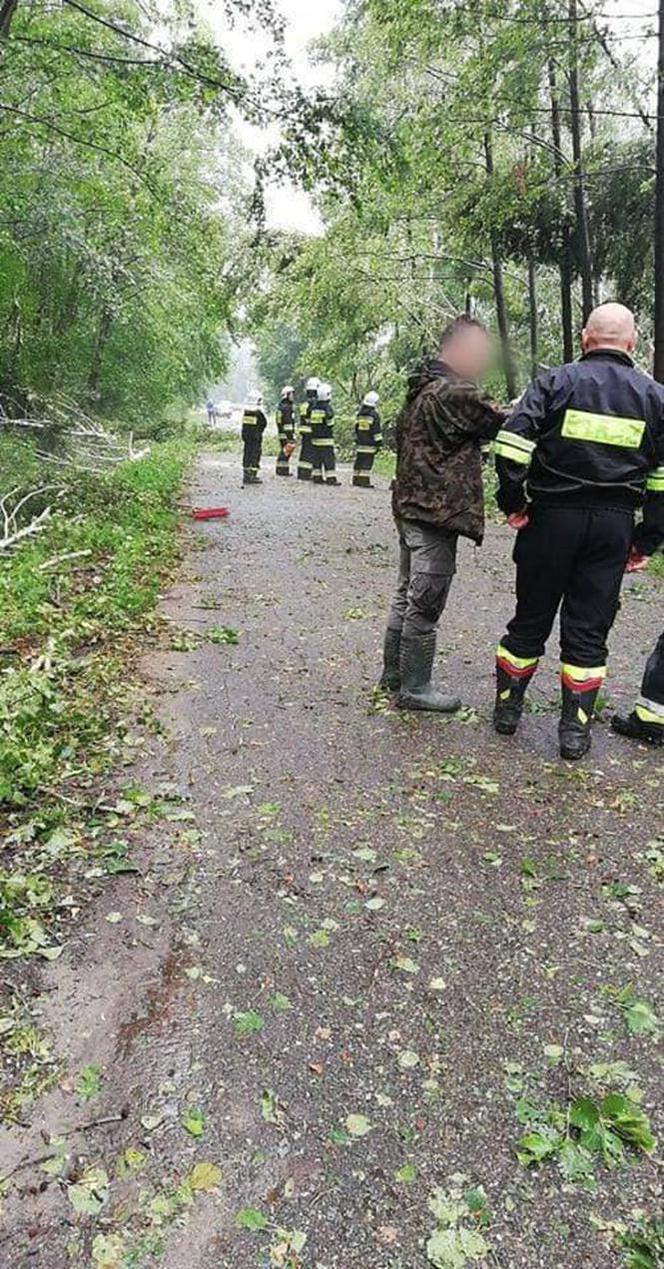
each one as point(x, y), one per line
point(437, 497)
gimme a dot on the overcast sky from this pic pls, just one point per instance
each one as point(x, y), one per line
point(287, 207)
point(290, 208)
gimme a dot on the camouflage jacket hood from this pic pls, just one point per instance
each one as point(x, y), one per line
point(440, 432)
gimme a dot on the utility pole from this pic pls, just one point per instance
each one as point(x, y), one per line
point(580, 198)
point(7, 10)
point(658, 368)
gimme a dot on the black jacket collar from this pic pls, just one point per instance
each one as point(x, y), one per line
point(615, 354)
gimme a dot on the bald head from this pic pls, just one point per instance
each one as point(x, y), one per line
point(610, 326)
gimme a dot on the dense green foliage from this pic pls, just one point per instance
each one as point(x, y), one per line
point(448, 179)
point(88, 579)
point(120, 207)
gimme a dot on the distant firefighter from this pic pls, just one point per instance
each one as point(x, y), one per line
point(254, 424)
point(322, 438)
point(305, 462)
point(285, 420)
point(368, 440)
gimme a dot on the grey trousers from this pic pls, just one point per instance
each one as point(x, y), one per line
point(427, 564)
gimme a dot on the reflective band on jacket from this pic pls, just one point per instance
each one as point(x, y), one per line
point(515, 664)
point(365, 449)
point(378, 436)
point(317, 416)
point(364, 425)
point(249, 420)
point(650, 711)
point(304, 430)
point(655, 481)
point(321, 441)
point(603, 429)
point(515, 447)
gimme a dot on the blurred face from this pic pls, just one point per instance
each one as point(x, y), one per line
point(469, 353)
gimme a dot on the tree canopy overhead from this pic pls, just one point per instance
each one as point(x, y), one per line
point(123, 196)
point(484, 155)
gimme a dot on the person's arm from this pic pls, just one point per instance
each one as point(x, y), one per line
point(649, 533)
point(474, 414)
point(377, 430)
point(516, 443)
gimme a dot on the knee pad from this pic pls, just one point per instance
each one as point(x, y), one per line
point(428, 593)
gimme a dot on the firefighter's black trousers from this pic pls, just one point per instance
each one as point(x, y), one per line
point(283, 461)
point(305, 461)
point(252, 438)
point(324, 462)
point(652, 688)
point(362, 467)
point(573, 559)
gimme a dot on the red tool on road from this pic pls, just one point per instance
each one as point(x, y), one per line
point(209, 513)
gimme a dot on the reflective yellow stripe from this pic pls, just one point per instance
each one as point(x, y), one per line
point(318, 416)
point(603, 429)
point(581, 673)
point(365, 449)
point(650, 711)
point(516, 439)
point(305, 431)
point(378, 436)
point(307, 466)
point(655, 481)
point(515, 447)
point(646, 717)
point(323, 440)
point(520, 663)
point(364, 425)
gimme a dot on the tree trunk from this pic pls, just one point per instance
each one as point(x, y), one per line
point(499, 290)
point(658, 368)
point(101, 340)
point(7, 11)
point(580, 200)
point(565, 261)
point(533, 322)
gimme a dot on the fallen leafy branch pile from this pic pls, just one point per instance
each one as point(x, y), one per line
point(72, 603)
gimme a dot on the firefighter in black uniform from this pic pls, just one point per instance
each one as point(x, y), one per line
point(254, 424)
point(305, 462)
point(285, 420)
point(646, 721)
point(573, 464)
point(322, 438)
point(368, 440)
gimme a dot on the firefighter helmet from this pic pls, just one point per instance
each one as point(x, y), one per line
point(313, 384)
point(287, 391)
point(371, 398)
point(324, 392)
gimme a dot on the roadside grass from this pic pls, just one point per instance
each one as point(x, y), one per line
point(75, 604)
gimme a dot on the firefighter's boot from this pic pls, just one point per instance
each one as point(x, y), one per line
point(641, 725)
point(390, 679)
point(580, 689)
point(513, 675)
point(416, 658)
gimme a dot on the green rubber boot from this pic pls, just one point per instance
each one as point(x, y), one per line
point(416, 660)
point(390, 679)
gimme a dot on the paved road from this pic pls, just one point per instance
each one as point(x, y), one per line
point(355, 973)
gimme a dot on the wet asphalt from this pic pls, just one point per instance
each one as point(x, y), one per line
point(370, 935)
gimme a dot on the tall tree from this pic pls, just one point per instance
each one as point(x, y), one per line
point(659, 209)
